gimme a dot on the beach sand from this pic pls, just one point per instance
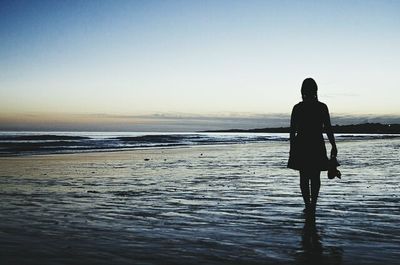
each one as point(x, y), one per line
point(228, 204)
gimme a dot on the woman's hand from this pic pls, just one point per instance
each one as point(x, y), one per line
point(334, 151)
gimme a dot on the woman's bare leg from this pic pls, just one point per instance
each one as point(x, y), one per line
point(315, 186)
point(305, 188)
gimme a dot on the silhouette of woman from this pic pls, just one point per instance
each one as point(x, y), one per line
point(307, 147)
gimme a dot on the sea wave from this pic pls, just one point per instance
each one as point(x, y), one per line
point(27, 143)
point(67, 142)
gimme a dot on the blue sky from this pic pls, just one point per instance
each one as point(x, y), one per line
point(205, 58)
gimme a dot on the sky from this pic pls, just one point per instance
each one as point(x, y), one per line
point(132, 64)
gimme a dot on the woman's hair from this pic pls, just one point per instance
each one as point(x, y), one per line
point(309, 89)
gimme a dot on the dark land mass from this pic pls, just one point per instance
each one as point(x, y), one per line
point(367, 128)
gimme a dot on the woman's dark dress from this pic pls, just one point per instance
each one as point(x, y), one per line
point(307, 151)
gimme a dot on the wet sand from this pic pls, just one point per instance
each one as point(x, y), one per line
point(232, 204)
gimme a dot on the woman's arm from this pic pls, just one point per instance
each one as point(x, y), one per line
point(329, 132)
point(293, 127)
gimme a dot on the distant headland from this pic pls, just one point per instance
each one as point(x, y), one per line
point(366, 128)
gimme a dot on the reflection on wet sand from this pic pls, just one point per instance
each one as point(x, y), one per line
point(312, 249)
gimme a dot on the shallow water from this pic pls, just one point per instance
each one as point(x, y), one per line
point(223, 204)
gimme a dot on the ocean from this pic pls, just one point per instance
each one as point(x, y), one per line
point(192, 198)
point(31, 143)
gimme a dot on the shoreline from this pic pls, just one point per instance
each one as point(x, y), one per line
point(60, 151)
point(131, 150)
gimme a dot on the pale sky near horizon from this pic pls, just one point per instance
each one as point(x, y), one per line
point(199, 57)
